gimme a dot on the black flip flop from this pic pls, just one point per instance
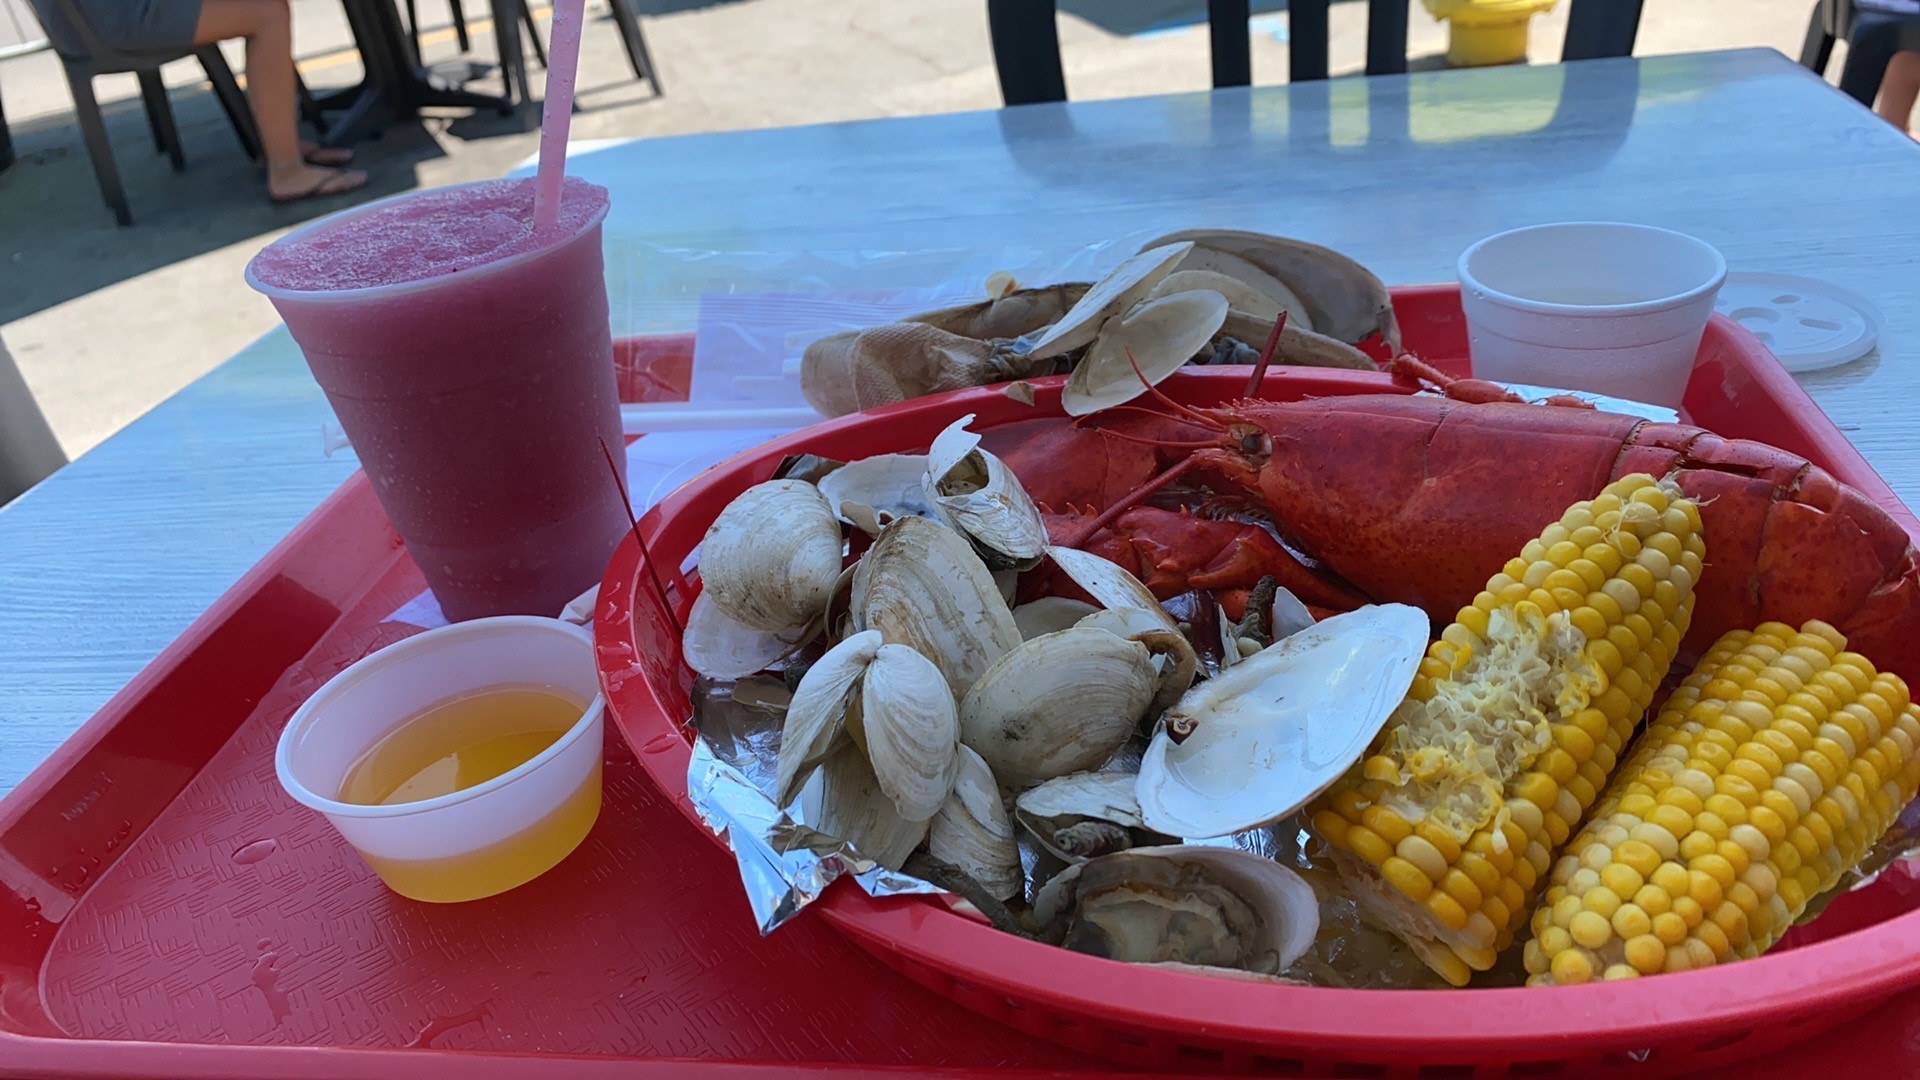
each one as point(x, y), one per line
point(321, 189)
point(328, 157)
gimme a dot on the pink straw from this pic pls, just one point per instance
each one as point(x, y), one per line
point(563, 62)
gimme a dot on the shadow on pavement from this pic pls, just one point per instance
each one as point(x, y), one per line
point(58, 240)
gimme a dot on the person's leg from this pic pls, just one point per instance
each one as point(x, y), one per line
point(1898, 89)
point(267, 27)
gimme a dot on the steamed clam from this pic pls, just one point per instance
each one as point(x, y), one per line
point(1338, 297)
point(1141, 348)
point(1081, 815)
point(1201, 906)
point(1269, 733)
point(921, 585)
point(978, 494)
point(770, 559)
point(871, 492)
point(973, 833)
point(1112, 296)
point(1060, 703)
point(892, 706)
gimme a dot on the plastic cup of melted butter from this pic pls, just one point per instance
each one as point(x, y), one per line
point(459, 763)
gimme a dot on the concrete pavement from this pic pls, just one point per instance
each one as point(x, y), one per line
point(106, 322)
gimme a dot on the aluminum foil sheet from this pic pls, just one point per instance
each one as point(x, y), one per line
point(784, 863)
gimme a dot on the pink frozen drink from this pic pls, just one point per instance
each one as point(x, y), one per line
point(469, 359)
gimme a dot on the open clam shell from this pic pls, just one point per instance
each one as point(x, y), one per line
point(1279, 727)
point(1080, 815)
point(1047, 615)
point(973, 832)
point(921, 585)
point(1109, 583)
point(873, 491)
point(1156, 338)
point(1241, 298)
point(770, 559)
point(1342, 299)
point(719, 646)
point(1110, 296)
point(1061, 703)
point(1206, 906)
point(982, 498)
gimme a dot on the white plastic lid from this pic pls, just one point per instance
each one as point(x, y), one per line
point(1808, 324)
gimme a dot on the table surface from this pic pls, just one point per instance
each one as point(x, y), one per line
point(109, 560)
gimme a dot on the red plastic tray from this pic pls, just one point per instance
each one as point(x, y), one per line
point(1148, 1016)
point(130, 935)
point(165, 910)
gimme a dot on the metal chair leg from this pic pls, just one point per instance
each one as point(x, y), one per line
point(413, 24)
point(1387, 37)
point(628, 21)
point(152, 99)
point(1817, 49)
point(1230, 41)
point(533, 33)
point(513, 55)
point(1307, 30)
point(93, 131)
point(226, 90)
point(6, 140)
point(1026, 51)
point(1601, 28)
point(460, 26)
point(160, 118)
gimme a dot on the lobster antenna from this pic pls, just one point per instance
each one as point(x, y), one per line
point(1091, 419)
point(1186, 411)
point(1132, 499)
point(646, 560)
point(1266, 357)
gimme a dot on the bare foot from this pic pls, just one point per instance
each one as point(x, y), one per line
point(335, 156)
point(299, 180)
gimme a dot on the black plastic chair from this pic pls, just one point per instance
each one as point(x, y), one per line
point(102, 59)
point(513, 63)
point(1872, 38)
point(1026, 42)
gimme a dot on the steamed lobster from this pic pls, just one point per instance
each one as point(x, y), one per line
point(1420, 499)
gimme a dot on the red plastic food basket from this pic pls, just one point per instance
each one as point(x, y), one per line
point(1867, 947)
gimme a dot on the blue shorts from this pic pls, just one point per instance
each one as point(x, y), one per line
point(129, 25)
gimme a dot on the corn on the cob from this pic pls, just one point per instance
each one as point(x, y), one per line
point(1764, 778)
point(1513, 724)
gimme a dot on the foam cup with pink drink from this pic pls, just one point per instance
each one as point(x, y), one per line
point(469, 360)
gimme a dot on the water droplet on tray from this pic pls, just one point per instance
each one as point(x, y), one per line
point(248, 854)
point(33, 903)
point(660, 744)
point(263, 944)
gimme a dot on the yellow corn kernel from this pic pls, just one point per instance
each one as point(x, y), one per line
point(1771, 770)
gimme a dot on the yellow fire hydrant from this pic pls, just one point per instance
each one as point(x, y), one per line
point(1484, 32)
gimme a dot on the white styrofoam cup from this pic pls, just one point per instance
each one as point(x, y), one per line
point(356, 708)
point(1608, 307)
